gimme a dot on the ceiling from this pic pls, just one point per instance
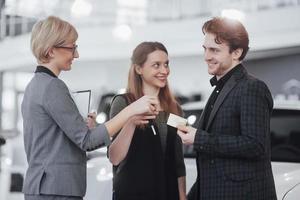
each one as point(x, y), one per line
point(134, 12)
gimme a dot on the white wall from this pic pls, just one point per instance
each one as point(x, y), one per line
point(104, 60)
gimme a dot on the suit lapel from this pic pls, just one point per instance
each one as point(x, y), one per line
point(201, 119)
point(229, 85)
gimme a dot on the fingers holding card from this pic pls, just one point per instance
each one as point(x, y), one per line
point(175, 121)
point(186, 133)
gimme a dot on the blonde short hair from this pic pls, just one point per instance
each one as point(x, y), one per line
point(48, 33)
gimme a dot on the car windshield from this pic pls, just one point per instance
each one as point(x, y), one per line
point(285, 134)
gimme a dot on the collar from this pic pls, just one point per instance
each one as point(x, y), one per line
point(215, 82)
point(42, 69)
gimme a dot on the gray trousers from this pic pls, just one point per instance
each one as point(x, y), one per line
point(50, 197)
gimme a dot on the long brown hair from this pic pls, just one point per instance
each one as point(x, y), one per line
point(135, 83)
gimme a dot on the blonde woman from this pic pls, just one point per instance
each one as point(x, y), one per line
point(148, 159)
point(56, 136)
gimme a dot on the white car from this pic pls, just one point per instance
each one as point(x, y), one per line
point(12, 168)
point(285, 136)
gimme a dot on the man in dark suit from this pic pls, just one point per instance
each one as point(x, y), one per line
point(232, 140)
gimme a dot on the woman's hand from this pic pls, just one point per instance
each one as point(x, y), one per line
point(145, 104)
point(91, 120)
point(141, 119)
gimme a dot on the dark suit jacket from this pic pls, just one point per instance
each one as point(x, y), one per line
point(233, 150)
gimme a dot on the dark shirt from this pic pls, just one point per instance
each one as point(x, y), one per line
point(45, 70)
point(148, 171)
point(120, 103)
point(213, 97)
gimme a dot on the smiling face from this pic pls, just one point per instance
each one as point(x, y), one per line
point(155, 71)
point(63, 56)
point(218, 57)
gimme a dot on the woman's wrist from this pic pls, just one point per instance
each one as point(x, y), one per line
point(129, 110)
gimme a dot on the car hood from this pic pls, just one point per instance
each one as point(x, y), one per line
point(286, 176)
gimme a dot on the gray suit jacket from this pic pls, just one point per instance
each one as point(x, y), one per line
point(56, 138)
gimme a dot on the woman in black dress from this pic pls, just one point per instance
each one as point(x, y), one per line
point(147, 158)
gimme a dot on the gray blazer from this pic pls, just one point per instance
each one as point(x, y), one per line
point(56, 138)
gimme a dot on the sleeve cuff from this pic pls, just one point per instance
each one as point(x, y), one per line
point(201, 142)
point(181, 173)
point(100, 138)
point(104, 134)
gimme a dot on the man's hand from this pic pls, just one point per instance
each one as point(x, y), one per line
point(187, 134)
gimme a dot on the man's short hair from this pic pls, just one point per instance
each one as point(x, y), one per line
point(48, 33)
point(229, 31)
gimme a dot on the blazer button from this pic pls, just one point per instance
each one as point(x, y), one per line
point(212, 161)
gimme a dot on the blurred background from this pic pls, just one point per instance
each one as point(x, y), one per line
point(109, 30)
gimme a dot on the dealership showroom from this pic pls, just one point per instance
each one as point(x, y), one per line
point(83, 81)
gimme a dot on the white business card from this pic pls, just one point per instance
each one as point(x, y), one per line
point(175, 120)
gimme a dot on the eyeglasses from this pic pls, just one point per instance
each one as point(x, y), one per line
point(74, 48)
